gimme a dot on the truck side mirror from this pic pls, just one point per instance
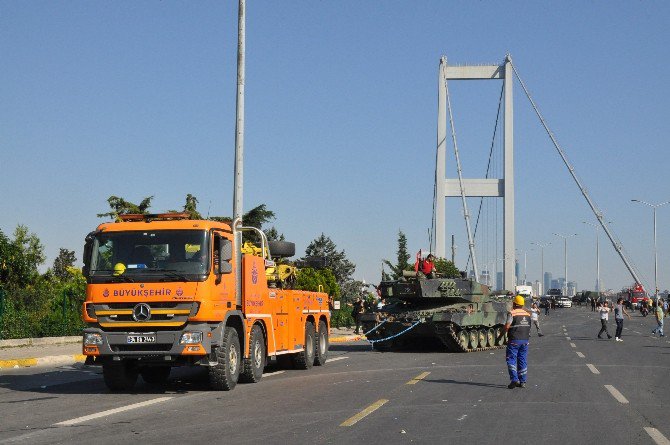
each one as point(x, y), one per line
point(88, 249)
point(225, 255)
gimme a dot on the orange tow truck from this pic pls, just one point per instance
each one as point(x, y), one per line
point(161, 292)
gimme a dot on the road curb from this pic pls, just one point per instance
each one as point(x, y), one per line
point(43, 341)
point(51, 360)
point(346, 338)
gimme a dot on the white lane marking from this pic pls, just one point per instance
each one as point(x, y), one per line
point(573, 345)
point(637, 332)
point(270, 374)
point(593, 368)
point(109, 412)
point(568, 338)
point(657, 436)
point(334, 359)
point(564, 326)
point(580, 354)
point(616, 394)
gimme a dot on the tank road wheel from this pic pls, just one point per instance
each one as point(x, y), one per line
point(500, 336)
point(305, 359)
point(490, 337)
point(463, 339)
point(155, 375)
point(481, 334)
point(253, 366)
point(473, 336)
point(321, 345)
point(223, 375)
point(119, 376)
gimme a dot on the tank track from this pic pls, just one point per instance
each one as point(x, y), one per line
point(454, 344)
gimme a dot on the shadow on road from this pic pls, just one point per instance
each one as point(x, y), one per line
point(457, 382)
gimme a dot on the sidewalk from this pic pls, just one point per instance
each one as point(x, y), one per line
point(49, 351)
point(59, 351)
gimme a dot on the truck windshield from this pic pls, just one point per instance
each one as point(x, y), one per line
point(152, 255)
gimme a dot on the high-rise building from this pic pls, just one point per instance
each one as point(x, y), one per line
point(537, 288)
point(499, 281)
point(572, 288)
point(547, 282)
point(555, 284)
point(516, 272)
point(485, 278)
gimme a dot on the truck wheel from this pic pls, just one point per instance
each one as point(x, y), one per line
point(253, 366)
point(305, 359)
point(282, 249)
point(119, 376)
point(223, 375)
point(321, 345)
point(155, 375)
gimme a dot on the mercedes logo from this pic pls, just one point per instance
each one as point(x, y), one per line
point(141, 312)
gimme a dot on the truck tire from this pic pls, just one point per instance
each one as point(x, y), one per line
point(281, 249)
point(155, 375)
point(223, 375)
point(322, 345)
point(119, 376)
point(253, 366)
point(305, 359)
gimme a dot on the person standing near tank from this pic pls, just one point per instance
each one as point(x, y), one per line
point(357, 309)
point(517, 327)
point(604, 312)
point(535, 318)
point(619, 312)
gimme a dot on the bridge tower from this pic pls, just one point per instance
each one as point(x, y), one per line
point(501, 188)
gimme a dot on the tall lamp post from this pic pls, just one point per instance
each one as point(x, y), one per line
point(542, 246)
point(595, 226)
point(565, 256)
point(654, 206)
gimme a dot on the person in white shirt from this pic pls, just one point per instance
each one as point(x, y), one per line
point(535, 318)
point(604, 312)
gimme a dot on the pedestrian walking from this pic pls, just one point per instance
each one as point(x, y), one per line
point(546, 307)
point(535, 318)
point(604, 312)
point(593, 304)
point(517, 327)
point(658, 313)
point(619, 312)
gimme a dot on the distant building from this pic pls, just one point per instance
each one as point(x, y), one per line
point(537, 288)
point(516, 272)
point(485, 278)
point(547, 282)
point(555, 284)
point(499, 281)
point(572, 288)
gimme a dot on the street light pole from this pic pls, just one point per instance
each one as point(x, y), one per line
point(595, 226)
point(654, 206)
point(565, 256)
point(542, 246)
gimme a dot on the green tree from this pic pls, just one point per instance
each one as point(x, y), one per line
point(402, 257)
point(336, 260)
point(120, 206)
point(311, 279)
point(63, 261)
point(446, 268)
point(190, 207)
point(20, 258)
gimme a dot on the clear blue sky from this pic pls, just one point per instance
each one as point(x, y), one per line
point(138, 98)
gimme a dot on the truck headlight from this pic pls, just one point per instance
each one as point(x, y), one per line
point(91, 338)
point(190, 338)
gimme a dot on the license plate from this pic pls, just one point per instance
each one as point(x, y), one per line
point(141, 339)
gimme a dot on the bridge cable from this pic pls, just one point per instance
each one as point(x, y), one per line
point(488, 167)
point(616, 243)
point(471, 242)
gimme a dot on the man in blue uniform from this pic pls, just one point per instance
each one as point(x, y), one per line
point(518, 331)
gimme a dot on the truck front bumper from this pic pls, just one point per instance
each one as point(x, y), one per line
point(166, 347)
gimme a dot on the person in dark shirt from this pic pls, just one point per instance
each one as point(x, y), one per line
point(358, 309)
point(518, 332)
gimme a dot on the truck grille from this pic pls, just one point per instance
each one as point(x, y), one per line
point(161, 314)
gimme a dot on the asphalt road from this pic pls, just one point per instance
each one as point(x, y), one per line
point(580, 390)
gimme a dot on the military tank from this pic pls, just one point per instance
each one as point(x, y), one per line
point(458, 312)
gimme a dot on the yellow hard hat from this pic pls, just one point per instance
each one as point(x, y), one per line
point(519, 301)
point(119, 268)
